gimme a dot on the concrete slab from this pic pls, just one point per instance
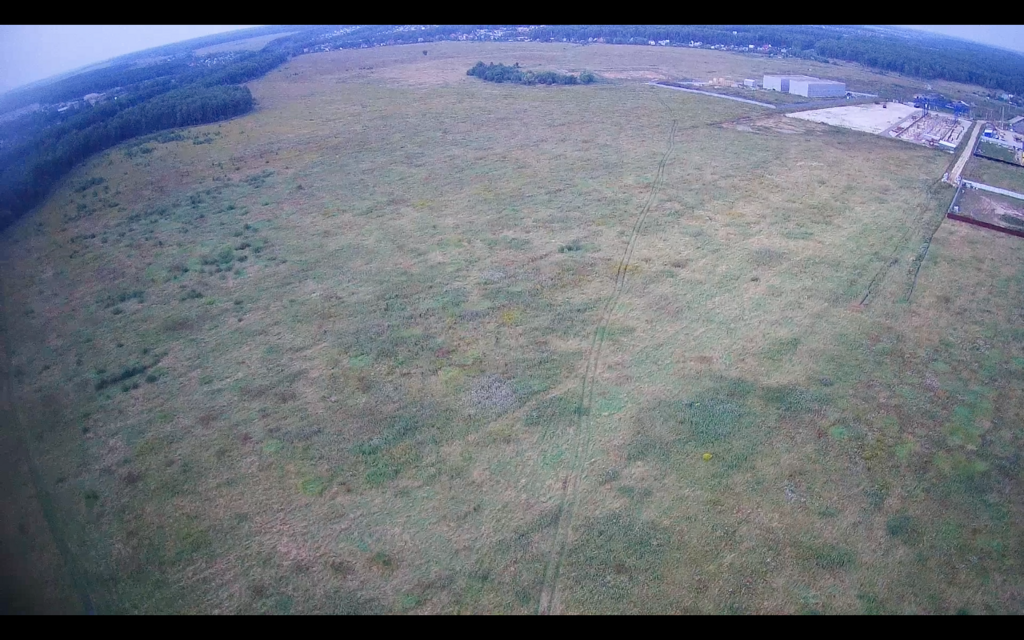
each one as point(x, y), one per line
point(870, 118)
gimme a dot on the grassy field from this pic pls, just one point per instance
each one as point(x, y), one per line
point(997, 152)
point(769, 97)
point(329, 357)
point(996, 174)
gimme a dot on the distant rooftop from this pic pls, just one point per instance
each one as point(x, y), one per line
point(818, 80)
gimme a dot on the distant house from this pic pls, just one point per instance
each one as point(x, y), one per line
point(92, 98)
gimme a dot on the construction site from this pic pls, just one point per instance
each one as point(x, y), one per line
point(894, 120)
point(932, 129)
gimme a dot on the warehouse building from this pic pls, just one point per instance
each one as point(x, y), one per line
point(815, 88)
point(807, 86)
point(781, 83)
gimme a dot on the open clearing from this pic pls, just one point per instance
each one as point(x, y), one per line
point(870, 118)
point(363, 350)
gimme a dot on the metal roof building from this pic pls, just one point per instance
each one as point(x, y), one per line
point(815, 88)
point(781, 82)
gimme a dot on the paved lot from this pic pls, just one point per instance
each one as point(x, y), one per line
point(871, 118)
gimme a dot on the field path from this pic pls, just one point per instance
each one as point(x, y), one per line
point(965, 156)
point(549, 596)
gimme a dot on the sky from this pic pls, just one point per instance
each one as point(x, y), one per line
point(34, 52)
point(1007, 36)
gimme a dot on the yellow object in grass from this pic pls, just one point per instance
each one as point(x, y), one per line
point(707, 456)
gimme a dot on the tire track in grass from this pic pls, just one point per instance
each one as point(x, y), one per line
point(922, 254)
point(914, 233)
point(883, 270)
point(74, 573)
point(549, 596)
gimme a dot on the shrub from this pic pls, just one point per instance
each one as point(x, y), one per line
point(124, 296)
point(125, 374)
point(575, 245)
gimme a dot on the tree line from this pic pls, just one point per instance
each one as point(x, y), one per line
point(41, 149)
point(923, 56)
point(24, 184)
point(504, 73)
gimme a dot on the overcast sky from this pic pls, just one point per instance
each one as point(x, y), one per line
point(1007, 36)
point(34, 52)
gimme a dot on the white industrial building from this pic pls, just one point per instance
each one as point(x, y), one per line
point(807, 86)
point(815, 88)
point(781, 83)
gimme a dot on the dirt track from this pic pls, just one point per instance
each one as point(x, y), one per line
point(958, 168)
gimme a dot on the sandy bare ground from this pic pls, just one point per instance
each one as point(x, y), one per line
point(870, 118)
point(954, 175)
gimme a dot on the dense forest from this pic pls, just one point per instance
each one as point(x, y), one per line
point(504, 73)
point(41, 148)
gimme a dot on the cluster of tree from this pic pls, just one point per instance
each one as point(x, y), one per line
point(96, 81)
point(354, 37)
point(793, 37)
point(186, 48)
point(23, 184)
point(955, 61)
point(41, 148)
point(243, 70)
point(504, 73)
